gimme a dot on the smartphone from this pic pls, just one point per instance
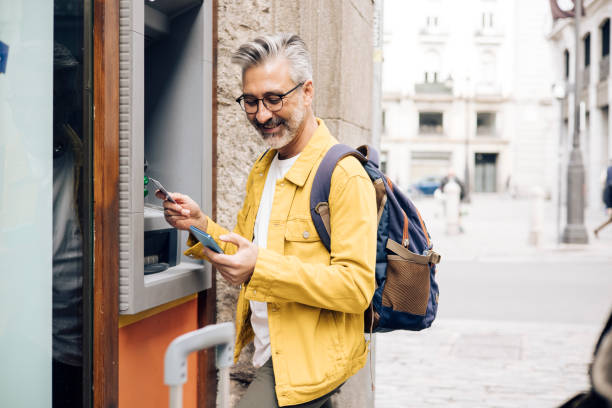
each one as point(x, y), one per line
point(206, 239)
point(161, 188)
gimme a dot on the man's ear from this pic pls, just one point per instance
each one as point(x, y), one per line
point(308, 89)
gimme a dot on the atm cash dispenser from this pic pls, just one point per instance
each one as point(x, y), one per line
point(166, 134)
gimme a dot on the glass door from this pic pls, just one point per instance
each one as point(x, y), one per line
point(26, 202)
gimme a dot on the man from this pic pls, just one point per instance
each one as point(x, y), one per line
point(300, 304)
point(607, 199)
point(451, 176)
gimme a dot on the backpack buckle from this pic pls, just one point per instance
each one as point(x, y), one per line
point(433, 257)
point(406, 242)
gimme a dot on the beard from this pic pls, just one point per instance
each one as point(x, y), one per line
point(289, 129)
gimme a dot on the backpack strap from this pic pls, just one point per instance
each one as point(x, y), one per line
point(429, 257)
point(370, 153)
point(319, 195)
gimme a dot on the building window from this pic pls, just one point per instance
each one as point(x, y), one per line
point(566, 63)
point(605, 38)
point(383, 121)
point(485, 123)
point(383, 161)
point(430, 123)
point(487, 20)
point(431, 77)
point(427, 168)
point(432, 67)
point(587, 50)
point(432, 21)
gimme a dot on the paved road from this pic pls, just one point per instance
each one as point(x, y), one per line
point(517, 324)
point(569, 291)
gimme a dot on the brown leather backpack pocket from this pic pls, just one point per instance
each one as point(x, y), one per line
point(407, 285)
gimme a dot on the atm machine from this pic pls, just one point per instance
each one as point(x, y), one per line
point(165, 133)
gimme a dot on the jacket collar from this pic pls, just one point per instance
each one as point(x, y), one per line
point(300, 170)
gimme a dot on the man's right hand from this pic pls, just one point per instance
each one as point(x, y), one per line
point(184, 213)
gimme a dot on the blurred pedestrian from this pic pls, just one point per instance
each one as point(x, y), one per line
point(607, 199)
point(451, 177)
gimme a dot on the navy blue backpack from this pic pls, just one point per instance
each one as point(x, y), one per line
point(406, 295)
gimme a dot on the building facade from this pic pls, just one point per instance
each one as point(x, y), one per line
point(595, 96)
point(467, 88)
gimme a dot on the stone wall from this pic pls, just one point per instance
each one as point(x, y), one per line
point(339, 36)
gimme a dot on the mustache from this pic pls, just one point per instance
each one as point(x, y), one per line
point(270, 123)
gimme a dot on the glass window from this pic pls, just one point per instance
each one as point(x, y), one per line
point(430, 123)
point(587, 50)
point(605, 38)
point(485, 123)
point(26, 108)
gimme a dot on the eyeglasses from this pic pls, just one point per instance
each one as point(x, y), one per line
point(272, 102)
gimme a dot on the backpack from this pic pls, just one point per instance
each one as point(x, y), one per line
point(406, 295)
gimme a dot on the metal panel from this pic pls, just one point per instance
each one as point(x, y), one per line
point(164, 92)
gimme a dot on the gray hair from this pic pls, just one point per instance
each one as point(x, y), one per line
point(266, 47)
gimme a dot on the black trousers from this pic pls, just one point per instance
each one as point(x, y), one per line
point(67, 385)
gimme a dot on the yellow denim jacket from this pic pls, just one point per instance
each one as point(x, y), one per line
point(315, 300)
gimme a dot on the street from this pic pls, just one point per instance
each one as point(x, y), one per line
point(516, 324)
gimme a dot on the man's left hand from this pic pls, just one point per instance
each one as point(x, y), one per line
point(237, 268)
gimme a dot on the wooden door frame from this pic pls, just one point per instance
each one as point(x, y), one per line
point(207, 300)
point(105, 337)
point(106, 203)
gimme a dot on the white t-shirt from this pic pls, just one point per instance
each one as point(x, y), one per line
point(259, 310)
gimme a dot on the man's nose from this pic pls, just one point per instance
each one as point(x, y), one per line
point(263, 114)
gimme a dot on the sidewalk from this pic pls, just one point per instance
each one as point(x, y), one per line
point(497, 227)
point(480, 364)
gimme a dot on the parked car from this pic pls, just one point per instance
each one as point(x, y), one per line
point(426, 185)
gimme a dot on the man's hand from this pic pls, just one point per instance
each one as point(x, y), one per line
point(237, 268)
point(184, 213)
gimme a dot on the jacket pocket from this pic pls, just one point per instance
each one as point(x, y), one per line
point(301, 230)
point(302, 240)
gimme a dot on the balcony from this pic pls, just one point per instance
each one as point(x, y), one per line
point(604, 68)
point(586, 77)
point(437, 88)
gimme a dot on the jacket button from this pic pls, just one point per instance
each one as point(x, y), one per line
point(305, 234)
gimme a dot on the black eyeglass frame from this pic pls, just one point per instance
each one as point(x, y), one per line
point(263, 100)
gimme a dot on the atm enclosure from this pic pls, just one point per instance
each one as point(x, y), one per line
point(165, 133)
